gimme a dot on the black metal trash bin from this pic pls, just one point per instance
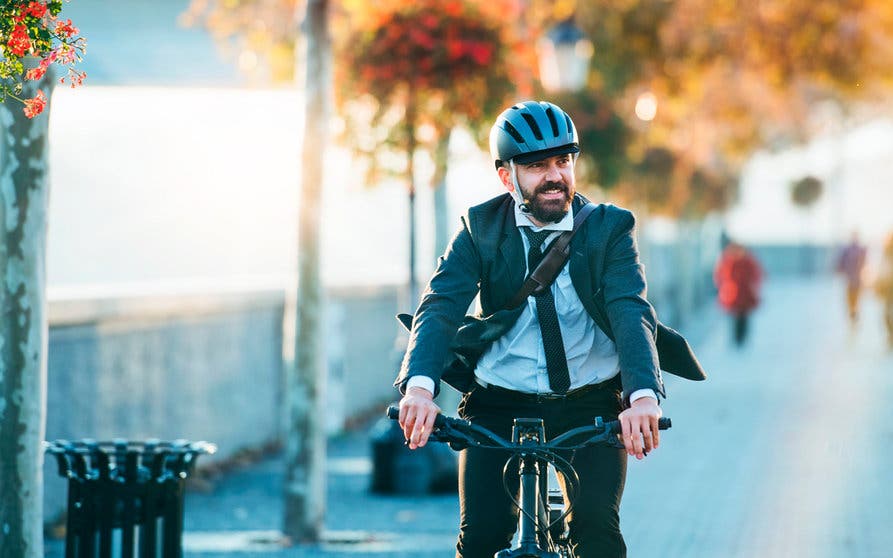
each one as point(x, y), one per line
point(129, 486)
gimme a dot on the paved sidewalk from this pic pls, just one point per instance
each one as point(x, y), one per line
point(782, 453)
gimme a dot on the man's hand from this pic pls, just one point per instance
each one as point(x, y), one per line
point(639, 422)
point(417, 413)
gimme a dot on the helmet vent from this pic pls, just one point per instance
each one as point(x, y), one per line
point(534, 127)
point(513, 132)
point(570, 125)
point(551, 114)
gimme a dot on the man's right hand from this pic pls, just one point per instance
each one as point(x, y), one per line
point(417, 413)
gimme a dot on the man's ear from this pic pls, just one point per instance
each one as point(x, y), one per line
point(506, 177)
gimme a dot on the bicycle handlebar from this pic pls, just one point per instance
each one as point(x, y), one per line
point(460, 434)
point(459, 431)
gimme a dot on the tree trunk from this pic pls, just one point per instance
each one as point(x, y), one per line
point(304, 492)
point(24, 197)
point(441, 203)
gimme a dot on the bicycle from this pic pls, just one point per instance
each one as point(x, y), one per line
point(542, 526)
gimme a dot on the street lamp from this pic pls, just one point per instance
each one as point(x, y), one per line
point(646, 106)
point(564, 55)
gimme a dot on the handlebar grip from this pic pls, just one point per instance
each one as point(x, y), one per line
point(663, 423)
point(394, 413)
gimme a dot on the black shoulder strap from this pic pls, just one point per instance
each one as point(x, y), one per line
point(554, 259)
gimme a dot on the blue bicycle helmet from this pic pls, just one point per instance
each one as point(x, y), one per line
point(531, 131)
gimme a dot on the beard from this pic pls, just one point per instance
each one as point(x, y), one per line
point(549, 210)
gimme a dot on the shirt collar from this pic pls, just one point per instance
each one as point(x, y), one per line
point(566, 224)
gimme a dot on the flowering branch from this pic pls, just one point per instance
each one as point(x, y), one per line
point(33, 29)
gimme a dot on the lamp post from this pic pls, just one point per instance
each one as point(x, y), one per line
point(564, 55)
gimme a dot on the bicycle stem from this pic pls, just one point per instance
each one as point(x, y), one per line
point(529, 493)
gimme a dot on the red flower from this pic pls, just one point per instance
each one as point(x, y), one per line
point(455, 50)
point(422, 39)
point(77, 78)
point(66, 54)
point(481, 53)
point(36, 73)
point(19, 43)
point(66, 28)
point(36, 9)
point(453, 9)
point(35, 106)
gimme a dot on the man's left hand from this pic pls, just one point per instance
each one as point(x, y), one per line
point(639, 422)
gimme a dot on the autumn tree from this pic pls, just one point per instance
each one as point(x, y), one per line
point(728, 77)
point(409, 73)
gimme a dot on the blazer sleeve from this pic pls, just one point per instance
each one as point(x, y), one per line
point(443, 306)
point(631, 316)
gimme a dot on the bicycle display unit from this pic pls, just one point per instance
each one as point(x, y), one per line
point(543, 511)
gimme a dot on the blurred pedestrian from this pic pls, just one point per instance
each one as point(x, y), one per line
point(884, 287)
point(738, 276)
point(850, 264)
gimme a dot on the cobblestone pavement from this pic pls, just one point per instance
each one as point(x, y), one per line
point(782, 453)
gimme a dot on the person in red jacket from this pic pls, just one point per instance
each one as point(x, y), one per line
point(738, 276)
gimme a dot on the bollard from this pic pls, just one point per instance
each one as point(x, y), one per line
point(129, 487)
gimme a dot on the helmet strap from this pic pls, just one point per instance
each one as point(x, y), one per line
point(516, 193)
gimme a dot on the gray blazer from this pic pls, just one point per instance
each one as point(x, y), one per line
point(487, 255)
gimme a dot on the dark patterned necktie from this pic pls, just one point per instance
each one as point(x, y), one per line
point(553, 344)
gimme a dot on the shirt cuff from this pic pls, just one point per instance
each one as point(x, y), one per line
point(638, 394)
point(427, 383)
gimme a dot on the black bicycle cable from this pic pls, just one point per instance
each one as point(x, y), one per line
point(572, 483)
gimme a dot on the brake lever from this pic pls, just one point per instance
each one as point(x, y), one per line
point(448, 435)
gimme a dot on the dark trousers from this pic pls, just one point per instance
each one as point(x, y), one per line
point(488, 517)
point(853, 293)
point(739, 327)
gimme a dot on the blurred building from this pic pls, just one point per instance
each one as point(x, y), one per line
point(854, 167)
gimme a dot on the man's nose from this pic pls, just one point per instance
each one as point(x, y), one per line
point(552, 173)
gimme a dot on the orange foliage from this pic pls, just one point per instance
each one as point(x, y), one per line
point(729, 76)
point(434, 63)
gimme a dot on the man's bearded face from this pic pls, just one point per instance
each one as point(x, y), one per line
point(548, 187)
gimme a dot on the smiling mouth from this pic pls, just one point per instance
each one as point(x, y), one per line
point(552, 192)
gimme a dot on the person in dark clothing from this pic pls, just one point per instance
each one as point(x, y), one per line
point(584, 348)
point(738, 276)
point(850, 264)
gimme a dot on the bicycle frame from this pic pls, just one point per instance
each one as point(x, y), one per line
point(534, 519)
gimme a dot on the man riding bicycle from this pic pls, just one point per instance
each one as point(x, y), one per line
point(587, 346)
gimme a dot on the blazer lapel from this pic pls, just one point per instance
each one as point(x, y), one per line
point(585, 278)
point(578, 267)
point(579, 264)
point(508, 273)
